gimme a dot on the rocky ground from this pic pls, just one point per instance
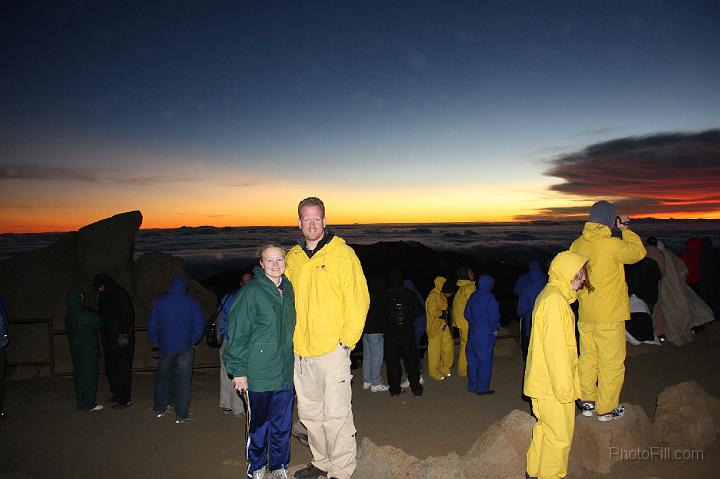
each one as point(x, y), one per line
point(44, 436)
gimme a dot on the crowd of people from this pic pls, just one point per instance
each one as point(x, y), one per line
point(285, 337)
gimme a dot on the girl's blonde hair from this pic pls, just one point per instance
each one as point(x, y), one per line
point(266, 246)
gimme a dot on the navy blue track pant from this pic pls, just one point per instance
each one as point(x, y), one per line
point(270, 416)
point(479, 352)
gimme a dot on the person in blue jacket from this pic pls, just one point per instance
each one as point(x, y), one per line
point(528, 290)
point(483, 315)
point(176, 324)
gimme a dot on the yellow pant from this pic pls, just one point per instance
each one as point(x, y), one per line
point(440, 354)
point(462, 358)
point(601, 367)
point(547, 457)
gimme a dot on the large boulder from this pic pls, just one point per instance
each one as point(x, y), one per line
point(598, 445)
point(500, 451)
point(686, 416)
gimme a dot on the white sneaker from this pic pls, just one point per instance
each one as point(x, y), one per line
point(259, 474)
point(448, 375)
point(379, 388)
point(405, 384)
point(422, 381)
point(616, 413)
point(279, 474)
point(366, 385)
point(98, 407)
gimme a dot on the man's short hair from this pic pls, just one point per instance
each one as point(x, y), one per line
point(311, 201)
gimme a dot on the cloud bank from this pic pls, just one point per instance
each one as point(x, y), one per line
point(670, 173)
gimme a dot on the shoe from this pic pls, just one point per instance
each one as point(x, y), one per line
point(164, 413)
point(310, 472)
point(662, 338)
point(448, 375)
point(422, 381)
point(259, 474)
point(379, 388)
point(616, 413)
point(528, 476)
point(122, 405)
point(366, 385)
point(279, 474)
point(226, 410)
point(98, 407)
point(587, 408)
point(405, 384)
point(189, 417)
point(486, 393)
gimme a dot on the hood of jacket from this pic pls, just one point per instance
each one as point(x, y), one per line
point(439, 283)
point(485, 283)
point(74, 300)
point(563, 269)
point(595, 231)
point(534, 270)
point(178, 285)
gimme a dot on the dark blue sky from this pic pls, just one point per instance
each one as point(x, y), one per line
point(378, 96)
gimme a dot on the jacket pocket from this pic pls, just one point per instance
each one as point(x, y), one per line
point(264, 361)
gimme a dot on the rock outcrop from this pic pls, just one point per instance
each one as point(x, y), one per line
point(686, 417)
point(34, 285)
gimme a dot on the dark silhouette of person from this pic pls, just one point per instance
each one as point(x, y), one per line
point(82, 326)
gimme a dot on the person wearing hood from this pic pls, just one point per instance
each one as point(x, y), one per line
point(691, 257)
point(399, 309)
point(373, 337)
point(440, 341)
point(551, 374)
point(604, 311)
point(176, 323)
point(259, 357)
point(466, 287)
point(118, 337)
point(82, 326)
point(483, 314)
point(532, 283)
point(420, 327)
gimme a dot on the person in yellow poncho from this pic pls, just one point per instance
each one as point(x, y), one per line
point(439, 333)
point(603, 313)
point(551, 374)
point(466, 287)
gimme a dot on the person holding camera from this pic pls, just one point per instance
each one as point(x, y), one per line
point(603, 312)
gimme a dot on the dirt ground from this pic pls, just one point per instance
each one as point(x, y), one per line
point(45, 437)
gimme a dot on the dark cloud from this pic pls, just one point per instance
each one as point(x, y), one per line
point(659, 174)
point(151, 180)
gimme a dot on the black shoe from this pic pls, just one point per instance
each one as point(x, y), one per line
point(486, 393)
point(310, 472)
point(122, 405)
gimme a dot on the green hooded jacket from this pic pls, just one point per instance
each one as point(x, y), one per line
point(260, 334)
point(82, 326)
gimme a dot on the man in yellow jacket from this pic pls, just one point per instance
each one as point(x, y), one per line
point(551, 373)
point(331, 302)
point(603, 312)
point(466, 287)
point(440, 342)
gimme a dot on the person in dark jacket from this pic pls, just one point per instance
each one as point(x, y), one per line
point(118, 337)
point(259, 356)
point(483, 315)
point(82, 326)
point(643, 280)
point(3, 344)
point(176, 323)
point(527, 288)
point(400, 307)
point(373, 338)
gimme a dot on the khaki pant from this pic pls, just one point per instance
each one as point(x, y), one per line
point(601, 366)
point(547, 457)
point(440, 354)
point(229, 398)
point(324, 395)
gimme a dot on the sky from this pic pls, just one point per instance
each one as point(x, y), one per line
point(229, 113)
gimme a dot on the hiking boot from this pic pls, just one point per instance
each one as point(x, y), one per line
point(587, 408)
point(616, 413)
point(279, 474)
point(310, 472)
point(379, 388)
point(189, 417)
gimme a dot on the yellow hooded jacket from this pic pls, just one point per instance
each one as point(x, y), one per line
point(465, 289)
point(607, 257)
point(331, 297)
point(552, 364)
point(435, 304)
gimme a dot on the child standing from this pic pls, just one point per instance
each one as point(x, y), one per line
point(551, 374)
point(483, 316)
